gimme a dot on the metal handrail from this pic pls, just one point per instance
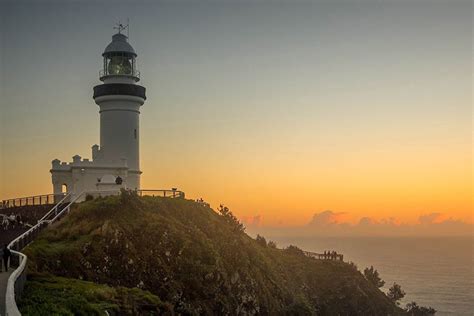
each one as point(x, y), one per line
point(11, 309)
point(55, 208)
point(68, 207)
point(322, 256)
point(174, 193)
point(135, 73)
point(25, 201)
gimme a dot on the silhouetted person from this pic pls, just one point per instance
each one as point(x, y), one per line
point(6, 255)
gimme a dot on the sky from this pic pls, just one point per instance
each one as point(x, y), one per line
point(280, 110)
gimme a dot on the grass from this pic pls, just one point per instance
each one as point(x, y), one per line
point(50, 295)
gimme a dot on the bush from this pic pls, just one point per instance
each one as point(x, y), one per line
point(261, 241)
point(230, 218)
point(294, 250)
point(395, 293)
point(353, 266)
point(373, 277)
point(129, 197)
point(414, 310)
point(272, 244)
point(89, 197)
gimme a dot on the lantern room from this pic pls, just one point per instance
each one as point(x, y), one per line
point(119, 59)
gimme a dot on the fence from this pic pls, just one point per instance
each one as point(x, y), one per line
point(49, 199)
point(324, 256)
point(32, 200)
point(173, 193)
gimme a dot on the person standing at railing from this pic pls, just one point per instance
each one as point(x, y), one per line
point(6, 254)
point(5, 222)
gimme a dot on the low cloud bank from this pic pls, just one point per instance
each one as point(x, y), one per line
point(330, 223)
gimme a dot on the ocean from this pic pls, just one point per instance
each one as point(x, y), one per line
point(433, 271)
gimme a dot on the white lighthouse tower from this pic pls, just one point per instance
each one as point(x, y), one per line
point(120, 99)
point(115, 163)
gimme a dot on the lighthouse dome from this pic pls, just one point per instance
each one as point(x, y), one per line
point(119, 44)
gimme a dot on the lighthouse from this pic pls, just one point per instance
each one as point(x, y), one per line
point(119, 98)
point(115, 163)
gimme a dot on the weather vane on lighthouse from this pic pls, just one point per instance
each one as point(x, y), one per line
point(120, 27)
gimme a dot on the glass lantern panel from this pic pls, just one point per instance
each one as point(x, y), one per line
point(119, 65)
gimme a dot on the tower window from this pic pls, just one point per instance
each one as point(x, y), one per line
point(135, 133)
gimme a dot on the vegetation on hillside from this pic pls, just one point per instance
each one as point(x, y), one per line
point(188, 258)
point(395, 293)
point(372, 275)
point(49, 295)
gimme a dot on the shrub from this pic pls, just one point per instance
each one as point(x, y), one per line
point(272, 244)
point(414, 310)
point(353, 266)
point(230, 218)
point(294, 250)
point(372, 275)
point(395, 293)
point(261, 240)
point(128, 197)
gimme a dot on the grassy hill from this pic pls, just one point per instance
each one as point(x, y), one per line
point(151, 255)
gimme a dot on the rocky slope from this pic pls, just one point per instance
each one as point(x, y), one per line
point(176, 256)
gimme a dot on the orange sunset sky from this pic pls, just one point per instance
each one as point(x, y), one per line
point(274, 110)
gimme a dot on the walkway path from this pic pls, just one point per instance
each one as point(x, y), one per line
point(3, 289)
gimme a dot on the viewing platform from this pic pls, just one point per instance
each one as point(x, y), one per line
point(325, 256)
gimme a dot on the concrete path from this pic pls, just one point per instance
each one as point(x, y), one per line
point(3, 289)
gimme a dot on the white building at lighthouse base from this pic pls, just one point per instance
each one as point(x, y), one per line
point(84, 175)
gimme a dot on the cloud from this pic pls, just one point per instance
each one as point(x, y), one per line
point(366, 221)
point(430, 218)
point(327, 218)
point(431, 224)
point(433, 218)
point(331, 223)
point(257, 220)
